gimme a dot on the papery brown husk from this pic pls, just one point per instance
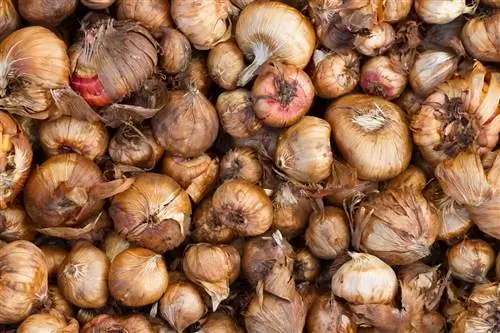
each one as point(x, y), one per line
point(480, 37)
point(471, 260)
point(66, 190)
point(54, 256)
point(10, 20)
point(187, 125)
point(97, 4)
point(15, 224)
point(155, 212)
point(49, 13)
point(182, 305)
point(57, 304)
point(456, 220)
point(207, 227)
point(32, 81)
point(152, 14)
point(150, 98)
point(16, 156)
point(498, 267)
point(306, 266)
point(327, 234)
point(225, 62)
point(219, 322)
point(92, 229)
point(212, 267)
point(396, 10)
point(398, 226)
point(268, 313)
point(103, 323)
point(269, 259)
point(194, 76)
point(176, 51)
point(446, 36)
point(196, 175)
point(453, 302)
point(236, 113)
point(328, 316)
point(335, 74)
point(110, 60)
point(361, 125)
point(113, 245)
point(136, 323)
point(409, 102)
point(135, 146)
point(45, 322)
point(137, 277)
point(291, 211)
point(462, 114)
point(263, 141)
point(383, 76)
point(205, 23)
point(241, 163)
point(83, 276)
point(243, 207)
point(69, 134)
point(377, 40)
point(24, 287)
point(411, 177)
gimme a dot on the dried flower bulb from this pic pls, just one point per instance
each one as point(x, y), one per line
point(205, 23)
point(282, 94)
point(57, 304)
point(498, 267)
point(136, 323)
point(10, 20)
point(430, 69)
point(219, 322)
point(335, 74)
point(135, 146)
point(100, 74)
point(64, 190)
point(289, 39)
point(327, 234)
point(398, 226)
point(225, 62)
point(155, 213)
point(46, 323)
point(410, 102)
point(456, 220)
point(269, 258)
point(187, 125)
point(362, 126)
point(83, 276)
point(194, 77)
point(491, 3)
point(113, 245)
point(236, 114)
point(383, 76)
point(329, 316)
point(376, 41)
point(411, 177)
point(103, 323)
point(365, 279)
point(470, 260)
point(396, 10)
point(479, 36)
point(306, 266)
point(243, 207)
point(207, 228)
point(54, 256)
point(241, 163)
point(291, 211)
point(15, 224)
point(137, 277)
point(303, 151)
point(345, 184)
point(460, 115)
point(182, 305)
point(269, 313)
point(154, 15)
point(176, 51)
point(212, 267)
point(196, 175)
point(24, 286)
point(97, 4)
point(71, 135)
point(16, 156)
point(242, 3)
point(46, 13)
point(442, 12)
point(32, 97)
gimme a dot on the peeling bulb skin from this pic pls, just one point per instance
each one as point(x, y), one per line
point(470, 260)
